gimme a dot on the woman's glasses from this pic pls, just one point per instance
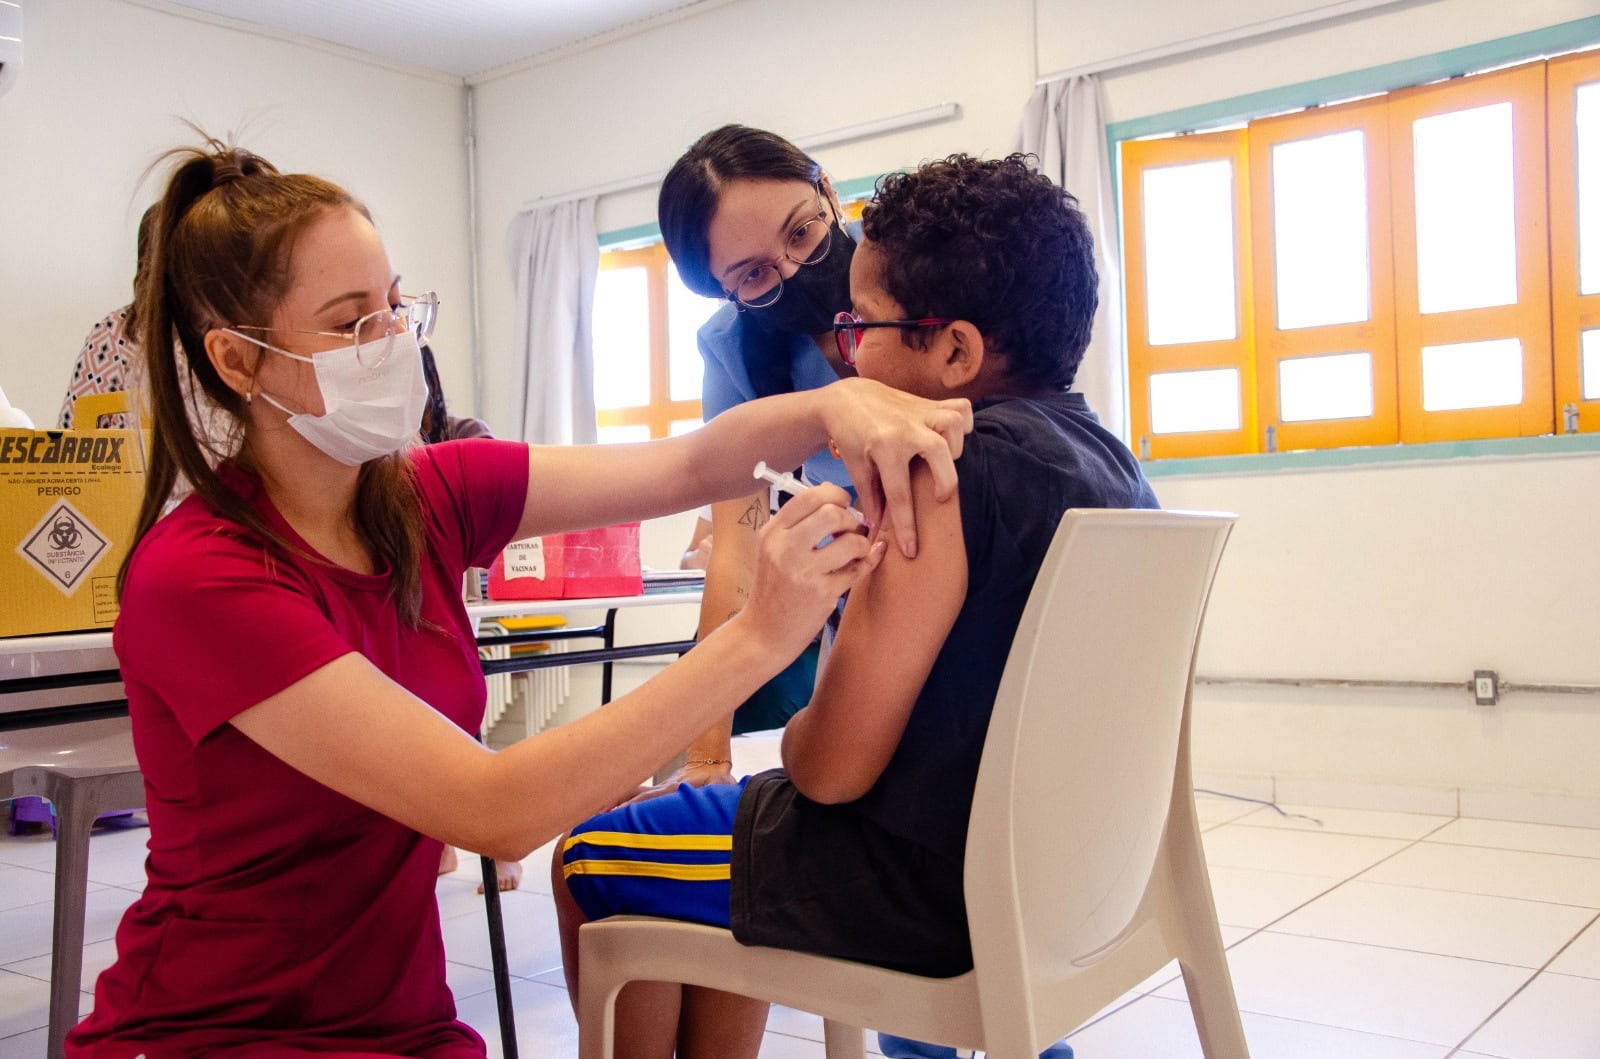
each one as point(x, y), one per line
point(849, 329)
point(808, 244)
point(373, 335)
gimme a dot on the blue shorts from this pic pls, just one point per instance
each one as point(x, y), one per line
point(668, 857)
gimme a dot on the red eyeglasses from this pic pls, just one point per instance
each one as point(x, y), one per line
point(849, 329)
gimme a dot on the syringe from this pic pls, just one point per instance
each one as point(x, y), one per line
point(788, 483)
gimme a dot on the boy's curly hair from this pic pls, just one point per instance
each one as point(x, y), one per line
point(998, 245)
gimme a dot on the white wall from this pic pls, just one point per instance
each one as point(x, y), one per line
point(1408, 571)
point(1414, 571)
point(1405, 572)
point(103, 88)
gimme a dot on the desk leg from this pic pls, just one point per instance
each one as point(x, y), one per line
point(605, 667)
point(497, 957)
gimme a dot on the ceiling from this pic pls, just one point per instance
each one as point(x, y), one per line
point(461, 37)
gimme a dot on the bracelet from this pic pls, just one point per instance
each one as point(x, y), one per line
point(707, 761)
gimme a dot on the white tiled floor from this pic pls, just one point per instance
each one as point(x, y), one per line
point(1371, 934)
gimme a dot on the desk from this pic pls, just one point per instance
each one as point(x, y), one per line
point(73, 676)
point(607, 653)
point(73, 673)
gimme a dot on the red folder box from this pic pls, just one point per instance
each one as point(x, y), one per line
point(528, 569)
point(602, 562)
point(583, 565)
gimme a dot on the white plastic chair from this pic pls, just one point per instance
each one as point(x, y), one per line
point(83, 768)
point(1084, 872)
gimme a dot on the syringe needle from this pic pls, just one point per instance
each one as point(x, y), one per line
point(789, 484)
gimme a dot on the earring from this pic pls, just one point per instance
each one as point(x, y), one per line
point(248, 397)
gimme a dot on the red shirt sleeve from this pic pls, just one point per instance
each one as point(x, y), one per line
point(473, 493)
point(212, 624)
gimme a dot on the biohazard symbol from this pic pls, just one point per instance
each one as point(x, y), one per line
point(64, 534)
point(64, 547)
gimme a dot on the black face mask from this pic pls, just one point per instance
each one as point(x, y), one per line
point(814, 295)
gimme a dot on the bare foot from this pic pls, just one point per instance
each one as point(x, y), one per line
point(447, 861)
point(507, 873)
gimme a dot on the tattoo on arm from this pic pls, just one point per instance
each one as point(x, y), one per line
point(742, 594)
point(755, 514)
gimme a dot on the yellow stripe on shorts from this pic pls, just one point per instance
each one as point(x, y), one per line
point(628, 840)
point(652, 869)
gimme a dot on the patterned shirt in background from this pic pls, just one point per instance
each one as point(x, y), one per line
point(111, 361)
point(104, 365)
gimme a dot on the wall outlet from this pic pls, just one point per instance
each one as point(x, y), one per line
point(1485, 687)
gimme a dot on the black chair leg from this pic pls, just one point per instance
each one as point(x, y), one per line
point(497, 957)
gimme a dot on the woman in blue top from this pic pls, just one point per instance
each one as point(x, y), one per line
point(749, 218)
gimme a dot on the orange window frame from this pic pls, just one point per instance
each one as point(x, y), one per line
point(1375, 335)
point(1529, 318)
point(1572, 312)
point(1144, 359)
point(662, 411)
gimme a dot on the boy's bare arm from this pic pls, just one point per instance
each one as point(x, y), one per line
point(893, 628)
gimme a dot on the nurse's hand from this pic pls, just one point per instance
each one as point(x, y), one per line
point(799, 579)
point(877, 431)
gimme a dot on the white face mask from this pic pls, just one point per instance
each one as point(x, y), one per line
point(368, 411)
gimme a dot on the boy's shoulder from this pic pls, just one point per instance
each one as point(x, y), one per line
point(1036, 427)
point(1003, 414)
point(1044, 446)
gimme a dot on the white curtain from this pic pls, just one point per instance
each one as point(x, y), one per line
point(1062, 124)
point(555, 256)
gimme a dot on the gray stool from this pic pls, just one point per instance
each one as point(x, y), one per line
point(84, 769)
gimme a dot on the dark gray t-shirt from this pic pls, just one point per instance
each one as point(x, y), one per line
point(879, 879)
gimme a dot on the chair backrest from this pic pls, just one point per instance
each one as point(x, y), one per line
point(1077, 773)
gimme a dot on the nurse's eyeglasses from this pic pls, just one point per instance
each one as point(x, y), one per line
point(808, 244)
point(849, 329)
point(373, 335)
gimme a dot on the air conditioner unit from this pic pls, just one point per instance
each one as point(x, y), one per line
point(10, 43)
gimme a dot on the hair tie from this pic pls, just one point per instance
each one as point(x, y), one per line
point(233, 164)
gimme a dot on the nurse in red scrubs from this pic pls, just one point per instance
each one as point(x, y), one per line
point(301, 674)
